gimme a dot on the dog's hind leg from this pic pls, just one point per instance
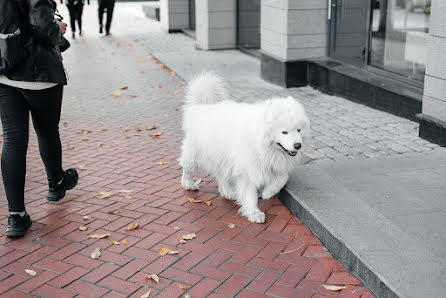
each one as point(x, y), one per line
point(226, 189)
point(274, 187)
point(247, 198)
point(187, 181)
point(187, 162)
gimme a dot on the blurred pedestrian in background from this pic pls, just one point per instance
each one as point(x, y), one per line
point(76, 8)
point(108, 6)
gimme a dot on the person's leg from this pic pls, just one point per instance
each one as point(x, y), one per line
point(45, 106)
point(101, 14)
point(110, 7)
point(80, 10)
point(14, 114)
point(72, 10)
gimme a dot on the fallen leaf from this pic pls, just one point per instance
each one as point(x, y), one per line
point(334, 288)
point(186, 296)
point(124, 88)
point(86, 217)
point(192, 200)
point(182, 241)
point(96, 253)
point(176, 92)
point(137, 134)
point(113, 211)
point(132, 227)
point(152, 127)
point(126, 191)
point(125, 129)
point(132, 96)
point(146, 295)
point(159, 87)
point(115, 242)
point(128, 197)
point(137, 128)
point(31, 272)
point(189, 236)
point(173, 252)
point(209, 203)
point(160, 163)
point(141, 60)
point(127, 137)
point(84, 139)
point(105, 195)
point(231, 225)
point(100, 144)
point(83, 228)
point(287, 252)
point(117, 93)
point(183, 287)
point(197, 182)
point(163, 251)
point(157, 135)
point(99, 236)
point(124, 242)
point(173, 74)
point(103, 129)
point(154, 277)
point(176, 228)
point(82, 168)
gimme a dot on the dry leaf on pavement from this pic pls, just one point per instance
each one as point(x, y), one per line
point(128, 197)
point(117, 93)
point(182, 241)
point(154, 277)
point(189, 236)
point(141, 60)
point(183, 287)
point(98, 236)
point(132, 227)
point(113, 211)
point(124, 242)
point(125, 191)
point(31, 272)
point(156, 135)
point(83, 228)
point(176, 92)
point(197, 182)
point(84, 139)
point(124, 88)
point(334, 288)
point(146, 295)
point(163, 251)
point(138, 129)
point(96, 253)
point(231, 225)
point(192, 200)
point(173, 252)
point(105, 195)
point(82, 168)
point(115, 242)
point(176, 228)
point(103, 129)
point(152, 127)
point(86, 217)
point(209, 203)
point(161, 163)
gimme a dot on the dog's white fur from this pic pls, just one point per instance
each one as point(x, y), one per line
point(238, 143)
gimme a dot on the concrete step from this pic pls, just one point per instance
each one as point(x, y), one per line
point(383, 219)
point(152, 10)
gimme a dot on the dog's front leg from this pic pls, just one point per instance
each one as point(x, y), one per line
point(247, 198)
point(274, 187)
point(187, 180)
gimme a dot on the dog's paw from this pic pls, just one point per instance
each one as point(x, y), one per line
point(190, 186)
point(267, 195)
point(256, 217)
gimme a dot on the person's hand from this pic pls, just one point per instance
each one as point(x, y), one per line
point(62, 26)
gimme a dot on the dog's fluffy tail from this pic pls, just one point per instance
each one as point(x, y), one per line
point(206, 88)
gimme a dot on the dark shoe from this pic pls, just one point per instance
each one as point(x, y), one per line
point(57, 190)
point(17, 225)
point(74, 36)
point(81, 33)
point(108, 33)
point(100, 29)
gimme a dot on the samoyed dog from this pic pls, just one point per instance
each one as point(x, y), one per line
point(250, 148)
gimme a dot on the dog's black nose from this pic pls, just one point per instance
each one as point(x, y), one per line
point(297, 146)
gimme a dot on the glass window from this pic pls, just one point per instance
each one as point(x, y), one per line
point(399, 36)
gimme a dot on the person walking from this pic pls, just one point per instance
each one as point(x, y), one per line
point(108, 6)
point(32, 84)
point(76, 7)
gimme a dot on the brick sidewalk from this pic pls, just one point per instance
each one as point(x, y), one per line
point(101, 135)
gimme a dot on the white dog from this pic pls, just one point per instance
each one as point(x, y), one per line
point(247, 147)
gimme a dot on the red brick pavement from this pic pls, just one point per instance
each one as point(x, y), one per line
point(243, 261)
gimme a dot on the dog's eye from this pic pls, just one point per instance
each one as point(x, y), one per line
point(298, 130)
point(285, 132)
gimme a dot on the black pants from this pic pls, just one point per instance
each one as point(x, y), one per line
point(15, 107)
point(107, 5)
point(76, 15)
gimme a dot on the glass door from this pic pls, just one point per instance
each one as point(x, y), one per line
point(349, 21)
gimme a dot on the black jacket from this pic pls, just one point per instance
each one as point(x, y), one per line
point(42, 58)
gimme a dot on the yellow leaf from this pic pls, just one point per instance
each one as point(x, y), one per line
point(132, 227)
point(127, 137)
point(137, 134)
point(128, 197)
point(182, 241)
point(31, 272)
point(141, 60)
point(231, 225)
point(125, 191)
point(96, 253)
point(113, 211)
point(153, 277)
point(160, 163)
point(152, 127)
point(117, 93)
point(189, 236)
point(84, 139)
point(137, 128)
point(156, 135)
point(115, 242)
point(98, 236)
point(125, 129)
point(83, 228)
point(334, 288)
point(82, 168)
point(146, 295)
point(105, 195)
point(183, 287)
point(86, 217)
point(173, 74)
point(124, 242)
point(163, 251)
point(209, 203)
point(103, 129)
point(192, 200)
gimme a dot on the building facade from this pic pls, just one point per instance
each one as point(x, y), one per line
point(387, 54)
